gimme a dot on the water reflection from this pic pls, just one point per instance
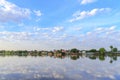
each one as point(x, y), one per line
point(112, 56)
point(60, 67)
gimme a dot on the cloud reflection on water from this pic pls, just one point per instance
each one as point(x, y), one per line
point(47, 68)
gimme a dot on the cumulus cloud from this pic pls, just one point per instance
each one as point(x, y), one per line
point(10, 12)
point(81, 15)
point(87, 1)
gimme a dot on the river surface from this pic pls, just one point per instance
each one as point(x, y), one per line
point(50, 68)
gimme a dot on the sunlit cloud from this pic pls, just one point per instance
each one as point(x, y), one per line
point(78, 15)
point(57, 29)
point(10, 12)
point(87, 1)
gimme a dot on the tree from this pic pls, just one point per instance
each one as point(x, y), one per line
point(111, 47)
point(102, 50)
point(114, 49)
point(74, 50)
point(93, 50)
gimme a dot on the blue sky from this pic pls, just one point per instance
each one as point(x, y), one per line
point(55, 24)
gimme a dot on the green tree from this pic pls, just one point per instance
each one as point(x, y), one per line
point(115, 50)
point(102, 50)
point(111, 47)
point(74, 50)
point(92, 50)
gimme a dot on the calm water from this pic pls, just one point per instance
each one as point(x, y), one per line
point(50, 68)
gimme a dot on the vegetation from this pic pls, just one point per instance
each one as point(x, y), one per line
point(115, 49)
point(73, 54)
point(101, 57)
point(74, 50)
point(102, 51)
point(93, 50)
point(111, 47)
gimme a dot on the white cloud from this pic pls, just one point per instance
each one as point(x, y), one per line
point(87, 1)
point(81, 15)
point(40, 29)
point(37, 13)
point(59, 37)
point(88, 33)
point(108, 36)
point(11, 12)
point(93, 39)
point(5, 35)
point(102, 29)
point(51, 30)
point(112, 27)
point(57, 29)
point(37, 20)
point(99, 29)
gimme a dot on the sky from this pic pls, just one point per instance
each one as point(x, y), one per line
point(59, 24)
